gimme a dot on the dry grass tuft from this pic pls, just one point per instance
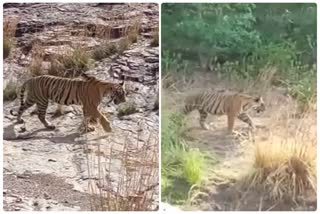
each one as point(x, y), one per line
point(9, 29)
point(35, 67)
point(126, 174)
point(285, 166)
point(10, 91)
point(124, 44)
point(133, 32)
point(155, 38)
point(105, 50)
point(70, 64)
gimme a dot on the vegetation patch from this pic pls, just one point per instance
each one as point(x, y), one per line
point(105, 50)
point(71, 64)
point(155, 38)
point(127, 108)
point(10, 91)
point(181, 167)
point(9, 29)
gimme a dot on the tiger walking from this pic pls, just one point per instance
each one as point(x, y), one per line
point(221, 102)
point(87, 92)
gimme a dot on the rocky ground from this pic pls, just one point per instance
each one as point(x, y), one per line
point(62, 169)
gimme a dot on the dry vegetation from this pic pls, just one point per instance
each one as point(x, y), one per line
point(10, 91)
point(136, 184)
point(9, 29)
point(285, 161)
point(155, 38)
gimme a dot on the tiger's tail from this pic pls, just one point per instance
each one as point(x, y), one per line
point(22, 90)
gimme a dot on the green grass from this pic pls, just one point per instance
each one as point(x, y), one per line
point(181, 167)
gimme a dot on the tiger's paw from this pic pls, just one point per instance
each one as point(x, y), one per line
point(205, 126)
point(51, 127)
point(107, 129)
point(20, 121)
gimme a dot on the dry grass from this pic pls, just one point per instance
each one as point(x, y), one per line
point(35, 67)
point(10, 91)
point(133, 31)
point(124, 44)
point(155, 38)
point(285, 163)
point(9, 29)
point(126, 172)
point(105, 50)
point(70, 64)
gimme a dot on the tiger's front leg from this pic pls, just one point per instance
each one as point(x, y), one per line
point(244, 117)
point(86, 121)
point(104, 121)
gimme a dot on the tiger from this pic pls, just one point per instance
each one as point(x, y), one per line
point(87, 92)
point(223, 102)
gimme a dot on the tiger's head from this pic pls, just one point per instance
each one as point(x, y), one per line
point(119, 93)
point(258, 104)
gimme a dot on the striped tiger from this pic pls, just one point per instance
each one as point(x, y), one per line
point(87, 92)
point(223, 102)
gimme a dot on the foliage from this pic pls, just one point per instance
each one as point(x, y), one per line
point(181, 167)
point(239, 40)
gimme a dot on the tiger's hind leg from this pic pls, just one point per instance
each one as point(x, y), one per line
point(42, 109)
point(27, 104)
point(202, 120)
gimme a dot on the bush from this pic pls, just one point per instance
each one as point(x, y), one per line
point(155, 39)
